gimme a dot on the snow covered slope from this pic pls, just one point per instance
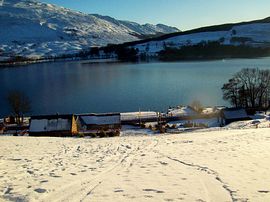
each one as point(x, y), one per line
point(256, 33)
point(34, 29)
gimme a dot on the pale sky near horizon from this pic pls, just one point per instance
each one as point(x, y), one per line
point(183, 14)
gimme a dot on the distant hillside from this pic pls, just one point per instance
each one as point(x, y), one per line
point(260, 28)
point(30, 28)
point(254, 34)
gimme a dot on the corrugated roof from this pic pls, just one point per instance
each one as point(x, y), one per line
point(137, 115)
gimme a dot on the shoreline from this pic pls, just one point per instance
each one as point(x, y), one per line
point(42, 61)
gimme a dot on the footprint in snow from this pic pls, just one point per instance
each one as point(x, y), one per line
point(40, 191)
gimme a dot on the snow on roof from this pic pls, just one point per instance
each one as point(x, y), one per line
point(220, 107)
point(183, 111)
point(209, 110)
point(137, 115)
point(48, 125)
point(235, 113)
point(101, 119)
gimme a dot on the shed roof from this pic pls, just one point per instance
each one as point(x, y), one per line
point(101, 119)
point(234, 113)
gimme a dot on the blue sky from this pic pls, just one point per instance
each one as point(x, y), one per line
point(184, 14)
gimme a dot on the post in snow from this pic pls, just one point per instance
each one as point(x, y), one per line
point(1, 2)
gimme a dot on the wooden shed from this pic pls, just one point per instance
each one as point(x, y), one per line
point(100, 122)
point(229, 115)
point(53, 125)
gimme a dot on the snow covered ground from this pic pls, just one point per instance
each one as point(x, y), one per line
point(259, 123)
point(227, 165)
point(259, 120)
point(128, 130)
point(211, 122)
point(34, 29)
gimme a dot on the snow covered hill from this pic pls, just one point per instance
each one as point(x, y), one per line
point(30, 28)
point(255, 34)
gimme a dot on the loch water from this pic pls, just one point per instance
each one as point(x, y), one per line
point(79, 87)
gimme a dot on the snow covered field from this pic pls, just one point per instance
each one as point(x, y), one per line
point(228, 165)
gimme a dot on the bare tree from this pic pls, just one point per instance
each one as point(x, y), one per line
point(19, 104)
point(197, 105)
point(233, 92)
point(249, 88)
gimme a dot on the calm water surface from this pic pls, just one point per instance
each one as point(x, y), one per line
point(73, 87)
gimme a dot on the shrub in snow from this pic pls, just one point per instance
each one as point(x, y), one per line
point(142, 125)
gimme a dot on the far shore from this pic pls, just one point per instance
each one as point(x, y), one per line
point(85, 61)
point(29, 62)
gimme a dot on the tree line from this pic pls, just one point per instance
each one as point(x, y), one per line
point(211, 50)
